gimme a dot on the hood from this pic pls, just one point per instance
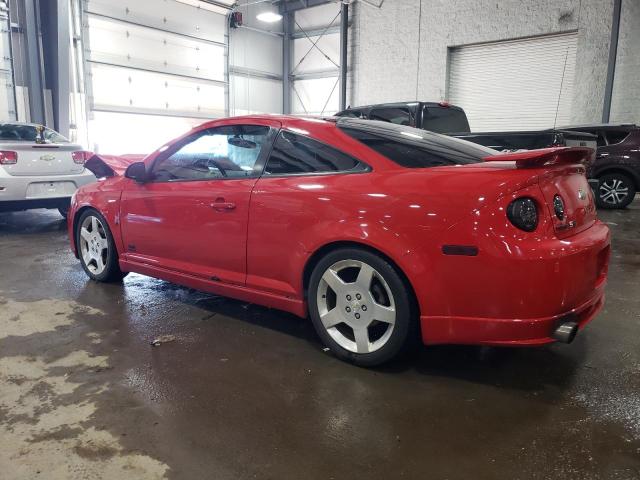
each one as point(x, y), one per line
point(102, 165)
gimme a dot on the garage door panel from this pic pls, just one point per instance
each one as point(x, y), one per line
point(514, 85)
point(174, 16)
point(122, 44)
point(118, 88)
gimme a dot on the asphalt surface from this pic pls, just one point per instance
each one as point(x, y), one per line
point(240, 391)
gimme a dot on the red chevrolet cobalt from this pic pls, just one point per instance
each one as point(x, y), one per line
point(380, 233)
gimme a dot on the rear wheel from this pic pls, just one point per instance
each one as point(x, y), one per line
point(361, 307)
point(615, 190)
point(96, 248)
point(64, 211)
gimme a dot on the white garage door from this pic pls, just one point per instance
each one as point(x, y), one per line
point(514, 85)
point(153, 72)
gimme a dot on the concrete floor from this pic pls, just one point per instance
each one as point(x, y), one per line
point(246, 392)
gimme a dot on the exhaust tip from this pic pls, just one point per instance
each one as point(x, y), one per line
point(566, 332)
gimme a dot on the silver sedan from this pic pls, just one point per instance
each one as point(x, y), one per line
point(39, 168)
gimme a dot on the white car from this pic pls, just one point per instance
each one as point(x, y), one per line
point(39, 168)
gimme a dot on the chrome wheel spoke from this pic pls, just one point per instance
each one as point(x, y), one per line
point(361, 335)
point(334, 281)
point(365, 275)
point(331, 318)
point(94, 225)
point(84, 233)
point(384, 314)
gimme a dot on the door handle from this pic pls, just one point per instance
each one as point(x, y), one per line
point(221, 205)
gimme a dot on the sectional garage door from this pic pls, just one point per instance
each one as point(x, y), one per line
point(514, 85)
point(153, 72)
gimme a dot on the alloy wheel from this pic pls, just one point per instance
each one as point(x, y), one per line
point(94, 246)
point(356, 306)
point(613, 191)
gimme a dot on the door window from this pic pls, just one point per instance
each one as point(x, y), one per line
point(296, 154)
point(217, 153)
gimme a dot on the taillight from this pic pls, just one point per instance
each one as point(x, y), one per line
point(81, 156)
point(7, 157)
point(523, 213)
point(558, 207)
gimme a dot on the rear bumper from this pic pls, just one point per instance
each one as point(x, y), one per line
point(522, 300)
point(21, 193)
point(508, 332)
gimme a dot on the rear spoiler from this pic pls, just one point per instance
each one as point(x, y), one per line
point(111, 165)
point(546, 157)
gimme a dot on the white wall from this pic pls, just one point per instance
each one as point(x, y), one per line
point(399, 52)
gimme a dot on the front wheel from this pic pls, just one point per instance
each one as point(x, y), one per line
point(615, 190)
point(360, 307)
point(96, 248)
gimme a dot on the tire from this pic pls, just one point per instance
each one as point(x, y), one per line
point(96, 248)
point(64, 211)
point(615, 190)
point(356, 288)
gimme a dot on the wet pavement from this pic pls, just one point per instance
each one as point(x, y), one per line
point(247, 392)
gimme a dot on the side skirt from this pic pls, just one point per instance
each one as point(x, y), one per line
point(292, 305)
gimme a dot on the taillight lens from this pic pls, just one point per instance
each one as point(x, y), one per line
point(81, 156)
point(558, 207)
point(523, 213)
point(7, 157)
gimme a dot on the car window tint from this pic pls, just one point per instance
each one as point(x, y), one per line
point(614, 136)
point(444, 120)
point(296, 154)
point(397, 115)
point(224, 152)
point(29, 133)
point(413, 148)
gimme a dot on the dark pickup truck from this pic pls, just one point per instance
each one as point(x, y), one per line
point(442, 117)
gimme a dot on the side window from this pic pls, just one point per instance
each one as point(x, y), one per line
point(601, 142)
point(223, 152)
point(614, 136)
point(397, 115)
point(295, 154)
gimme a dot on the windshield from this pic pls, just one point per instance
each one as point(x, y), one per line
point(28, 133)
point(411, 147)
point(444, 120)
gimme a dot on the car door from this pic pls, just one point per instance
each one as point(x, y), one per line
point(191, 215)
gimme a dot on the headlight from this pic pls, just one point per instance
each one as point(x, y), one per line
point(523, 213)
point(558, 207)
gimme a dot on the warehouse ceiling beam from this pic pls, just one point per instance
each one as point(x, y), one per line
point(290, 6)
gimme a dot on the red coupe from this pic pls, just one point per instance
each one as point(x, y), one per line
point(381, 233)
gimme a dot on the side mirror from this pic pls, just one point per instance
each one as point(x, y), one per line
point(136, 171)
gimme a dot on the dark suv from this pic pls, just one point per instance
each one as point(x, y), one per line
point(617, 165)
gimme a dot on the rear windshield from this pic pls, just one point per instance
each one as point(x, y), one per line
point(444, 120)
point(28, 133)
point(411, 147)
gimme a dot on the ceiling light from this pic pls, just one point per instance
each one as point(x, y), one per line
point(269, 17)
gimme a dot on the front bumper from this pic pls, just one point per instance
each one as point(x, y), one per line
point(525, 300)
point(47, 191)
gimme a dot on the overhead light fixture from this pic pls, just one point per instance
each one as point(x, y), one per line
point(269, 17)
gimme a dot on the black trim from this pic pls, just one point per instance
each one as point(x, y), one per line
point(466, 250)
